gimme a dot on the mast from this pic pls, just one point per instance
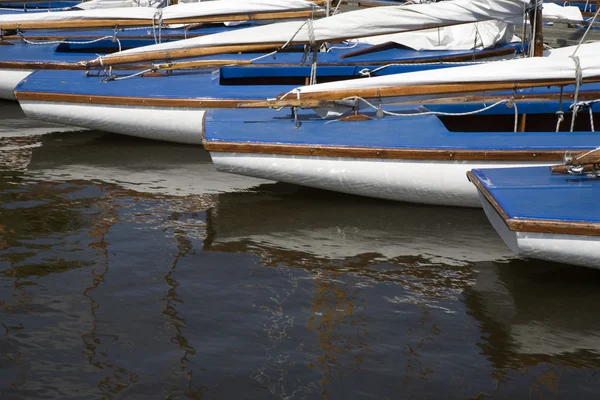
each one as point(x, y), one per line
point(535, 19)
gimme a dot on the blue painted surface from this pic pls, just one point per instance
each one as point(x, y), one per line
point(537, 194)
point(207, 84)
point(419, 132)
point(48, 5)
point(48, 53)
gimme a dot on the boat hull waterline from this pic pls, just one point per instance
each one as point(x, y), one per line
point(172, 124)
point(415, 181)
point(569, 249)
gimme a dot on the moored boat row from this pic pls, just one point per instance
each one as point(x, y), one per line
point(360, 102)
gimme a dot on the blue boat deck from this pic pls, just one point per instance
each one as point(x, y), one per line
point(50, 53)
point(536, 194)
point(267, 126)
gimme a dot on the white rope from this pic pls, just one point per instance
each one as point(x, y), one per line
point(313, 46)
point(344, 48)
point(122, 78)
point(578, 79)
point(157, 19)
point(25, 40)
point(509, 103)
point(368, 72)
point(586, 31)
point(284, 45)
point(335, 11)
point(587, 154)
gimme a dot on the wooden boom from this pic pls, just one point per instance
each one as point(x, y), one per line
point(589, 161)
point(117, 23)
point(318, 99)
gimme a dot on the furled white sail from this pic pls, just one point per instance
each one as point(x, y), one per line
point(475, 35)
point(98, 4)
point(558, 66)
point(357, 24)
point(554, 12)
point(190, 10)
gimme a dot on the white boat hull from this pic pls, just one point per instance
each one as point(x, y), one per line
point(569, 249)
point(421, 181)
point(172, 124)
point(9, 79)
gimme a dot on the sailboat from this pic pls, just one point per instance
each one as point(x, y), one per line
point(423, 131)
point(168, 101)
point(548, 214)
point(27, 48)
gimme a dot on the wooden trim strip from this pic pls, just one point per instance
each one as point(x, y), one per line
point(385, 153)
point(488, 196)
point(128, 101)
point(35, 65)
point(240, 103)
point(536, 225)
point(117, 23)
point(316, 99)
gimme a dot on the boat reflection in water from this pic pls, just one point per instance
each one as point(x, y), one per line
point(133, 268)
point(526, 314)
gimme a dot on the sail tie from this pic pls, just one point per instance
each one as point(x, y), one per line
point(157, 19)
point(578, 79)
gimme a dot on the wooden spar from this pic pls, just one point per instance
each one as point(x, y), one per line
point(117, 23)
point(318, 99)
point(179, 53)
point(537, 36)
point(199, 64)
point(455, 58)
point(588, 160)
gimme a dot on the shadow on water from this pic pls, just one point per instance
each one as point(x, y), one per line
point(132, 269)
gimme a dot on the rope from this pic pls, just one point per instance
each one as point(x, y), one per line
point(344, 48)
point(586, 31)
point(335, 11)
point(588, 153)
point(368, 72)
point(157, 17)
point(578, 79)
point(113, 38)
point(284, 45)
point(313, 46)
point(509, 103)
point(111, 77)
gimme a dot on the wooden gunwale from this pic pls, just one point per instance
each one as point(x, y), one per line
point(559, 227)
point(89, 37)
point(35, 65)
point(384, 153)
point(129, 101)
point(109, 23)
point(240, 103)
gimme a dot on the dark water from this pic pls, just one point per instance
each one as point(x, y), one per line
point(131, 269)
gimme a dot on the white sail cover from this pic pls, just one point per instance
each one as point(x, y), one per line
point(554, 12)
point(558, 65)
point(97, 4)
point(357, 24)
point(476, 35)
point(208, 8)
